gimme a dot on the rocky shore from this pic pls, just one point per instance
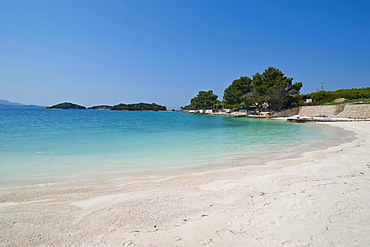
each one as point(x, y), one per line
point(343, 112)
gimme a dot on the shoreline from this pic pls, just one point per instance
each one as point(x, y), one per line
point(165, 172)
point(319, 198)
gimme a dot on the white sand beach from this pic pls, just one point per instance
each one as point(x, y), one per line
point(321, 198)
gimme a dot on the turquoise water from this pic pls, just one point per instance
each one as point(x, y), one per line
point(45, 146)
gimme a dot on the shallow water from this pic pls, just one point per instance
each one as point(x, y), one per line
point(46, 146)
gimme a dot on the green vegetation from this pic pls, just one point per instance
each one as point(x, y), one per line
point(327, 97)
point(138, 107)
point(100, 107)
point(271, 89)
point(204, 100)
point(238, 94)
point(120, 107)
point(66, 105)
point(357, 101)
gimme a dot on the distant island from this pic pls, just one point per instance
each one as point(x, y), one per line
point(119, 107)
point(139, 107)
point(66, 105)
point(100, 107)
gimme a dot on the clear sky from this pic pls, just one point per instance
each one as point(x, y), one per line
point(93, 52)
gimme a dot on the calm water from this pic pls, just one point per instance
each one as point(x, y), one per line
point(45, 146)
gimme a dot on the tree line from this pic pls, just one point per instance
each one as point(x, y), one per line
point(139, 107)
point(270, 89)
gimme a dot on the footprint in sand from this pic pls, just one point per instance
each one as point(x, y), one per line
point(276, 221)
point(127, 243)
point(315, 213)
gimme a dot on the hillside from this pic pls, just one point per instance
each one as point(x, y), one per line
point(8, 104)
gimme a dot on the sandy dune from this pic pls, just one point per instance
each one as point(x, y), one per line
point(321, 198)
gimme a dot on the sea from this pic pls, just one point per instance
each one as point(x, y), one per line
point(43, 146)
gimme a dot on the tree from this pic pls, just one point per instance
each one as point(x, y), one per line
point(274, 88)
point(270, 87)
point(237, 93)
point(204, 100)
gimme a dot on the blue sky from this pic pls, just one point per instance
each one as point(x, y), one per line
point(118, 51)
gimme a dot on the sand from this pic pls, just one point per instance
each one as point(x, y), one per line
point(321, 198)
